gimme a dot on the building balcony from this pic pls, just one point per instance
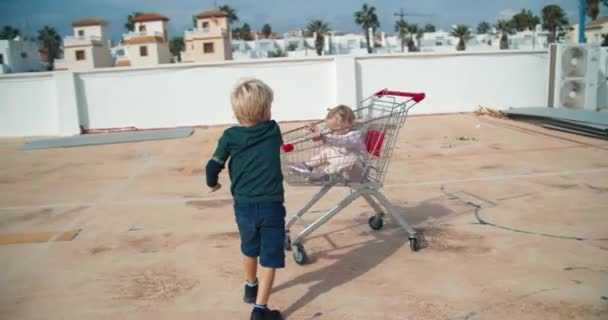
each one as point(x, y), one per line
point(205, 33)
point(72, 41)
point(142, 34)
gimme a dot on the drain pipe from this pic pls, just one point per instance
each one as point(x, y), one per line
point(582, 15)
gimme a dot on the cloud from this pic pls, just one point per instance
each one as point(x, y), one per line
point(506, 14)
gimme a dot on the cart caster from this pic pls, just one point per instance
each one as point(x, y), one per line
point(414, 245)
point(299, 255)
point(375, 222)
point(287, 243)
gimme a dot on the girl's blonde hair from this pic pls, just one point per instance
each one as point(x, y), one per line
point(251, 101)
point(343, 115)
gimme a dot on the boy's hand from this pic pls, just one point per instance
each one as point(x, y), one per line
point(312, 127)
point(216, 188)
point(316, 136)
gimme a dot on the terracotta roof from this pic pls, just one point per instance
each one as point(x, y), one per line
point(215, 13)
point(597, 23)
point(152, 16)
point(146, 39)
point(88, 22)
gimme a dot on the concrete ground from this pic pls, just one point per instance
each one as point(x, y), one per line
point(153, 244)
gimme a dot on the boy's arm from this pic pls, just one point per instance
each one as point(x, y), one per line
point(217, 163)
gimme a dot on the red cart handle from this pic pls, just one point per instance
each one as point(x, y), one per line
point(415, 96)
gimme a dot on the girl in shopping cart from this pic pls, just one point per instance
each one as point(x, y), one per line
point(342, 149)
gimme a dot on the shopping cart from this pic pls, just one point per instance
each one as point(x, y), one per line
point(379, 119)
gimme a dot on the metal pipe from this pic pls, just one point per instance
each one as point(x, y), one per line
point(582, 15)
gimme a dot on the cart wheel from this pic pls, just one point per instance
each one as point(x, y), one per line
point(375, 222)
point(287, 243)
point(414, 245)
point(299, 255)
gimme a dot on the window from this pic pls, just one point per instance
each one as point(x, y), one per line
point(23, 55)
point(143, 51)
point(81, 33)
point(205, 25)
point(1, 59)
point(80, 55)
point(208, 47)
point(142, 27)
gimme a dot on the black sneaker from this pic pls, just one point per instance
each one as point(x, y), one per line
point(251, 293)
point(265, 314)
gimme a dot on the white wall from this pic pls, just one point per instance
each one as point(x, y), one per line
point(461, 82)
point(157, 26)
point(198, 94)
point(98, 31)
point(27, 105)
point(164, 54)
point(12, 51)
point(102, 57)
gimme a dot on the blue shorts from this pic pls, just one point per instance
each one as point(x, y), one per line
point(262, 229)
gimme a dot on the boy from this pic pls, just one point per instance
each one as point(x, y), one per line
point(257, 189)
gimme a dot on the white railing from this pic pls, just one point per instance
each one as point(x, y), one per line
point(137, 34)
point(204, 31)
point(81, 40)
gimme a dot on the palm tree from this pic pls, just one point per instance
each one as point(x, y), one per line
point(483, 27)
point(463, 33)
point(554, 19)
point(417, 32)
point(176, 46)
point(232, 17)
point(506, 28)
point(278, 53)
point(266, 30)
point(401, 27)
point(593, 8)
point(130, 25)
point(367, 18)
point(9, 33)
point(319, 28)
point(243, 33)
point(429, 28)
point(525, 20)
point(51, 42)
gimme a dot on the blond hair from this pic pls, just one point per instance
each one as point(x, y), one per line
point(251, 100)
point(343, 115)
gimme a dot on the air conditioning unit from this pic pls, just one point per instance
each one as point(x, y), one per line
point(574, 76)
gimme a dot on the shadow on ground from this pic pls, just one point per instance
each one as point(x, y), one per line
point(363, 256)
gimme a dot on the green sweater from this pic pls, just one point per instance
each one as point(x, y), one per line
point(255, 163)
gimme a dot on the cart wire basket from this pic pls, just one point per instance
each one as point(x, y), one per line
point(356, 157)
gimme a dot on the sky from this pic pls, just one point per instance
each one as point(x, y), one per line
point(282, 15)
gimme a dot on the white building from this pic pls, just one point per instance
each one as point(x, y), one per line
point(19, 56)
point(147, 45)
point(88, 48)
point(295, 44)
point(209, 40)
point(593, 31)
